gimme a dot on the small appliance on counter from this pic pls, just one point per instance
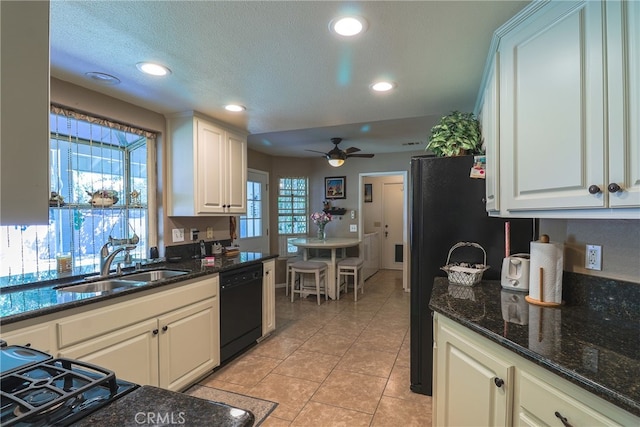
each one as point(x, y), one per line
point(515, 272)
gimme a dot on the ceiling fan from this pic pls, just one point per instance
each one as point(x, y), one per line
point(336, 156)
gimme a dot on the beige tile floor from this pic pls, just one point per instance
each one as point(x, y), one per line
point(342, 363)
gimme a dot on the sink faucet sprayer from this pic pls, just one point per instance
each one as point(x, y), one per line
point(107, 258)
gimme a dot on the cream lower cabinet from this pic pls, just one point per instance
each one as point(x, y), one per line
point(189, 344)
point(39, 337)
point(473, 386)
point(170, 351)
point(132, 353)
point(478, 382)
point(268, 297)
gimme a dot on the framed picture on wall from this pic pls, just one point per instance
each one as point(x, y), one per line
point(368, 193)
point(335, 187)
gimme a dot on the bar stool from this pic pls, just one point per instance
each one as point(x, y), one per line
point(318, 269)
point(350, 267)
point(290, 261)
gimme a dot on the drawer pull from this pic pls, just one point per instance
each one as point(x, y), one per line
point(499, 382)
point(565, 423)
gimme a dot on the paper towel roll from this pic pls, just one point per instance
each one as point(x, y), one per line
point(547, 256)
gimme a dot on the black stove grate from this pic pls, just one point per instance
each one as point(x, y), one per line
point(50, 391)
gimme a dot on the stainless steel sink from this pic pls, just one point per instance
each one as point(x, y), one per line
point(110, 285)
point(153, 275)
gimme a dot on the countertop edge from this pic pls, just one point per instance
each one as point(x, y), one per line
point(186, 265)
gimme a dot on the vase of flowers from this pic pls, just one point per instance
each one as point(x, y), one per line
point(321, 219)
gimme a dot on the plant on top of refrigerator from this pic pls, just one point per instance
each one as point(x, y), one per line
point(456, 134)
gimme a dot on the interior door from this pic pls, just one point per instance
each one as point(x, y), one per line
point(254, 226)
point(392, 243)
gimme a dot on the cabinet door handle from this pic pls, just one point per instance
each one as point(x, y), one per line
point(614, 188)
point(164, 328)
point(499, 382)
point(594, 189)
point(564, 421)
point(28, 344)
point(155, 332)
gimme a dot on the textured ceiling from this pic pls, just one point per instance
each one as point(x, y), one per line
point(301, 84)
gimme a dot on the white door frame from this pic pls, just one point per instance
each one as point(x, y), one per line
point(406, 266)
point(265, 211)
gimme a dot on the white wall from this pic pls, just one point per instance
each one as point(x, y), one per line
point(620, 241)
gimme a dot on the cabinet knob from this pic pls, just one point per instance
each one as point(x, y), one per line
point(499, 382)
point(614, 188)
point(155, 332)
point(28, 344)
point(594, 189)
point(562, 419)
point(164, 328)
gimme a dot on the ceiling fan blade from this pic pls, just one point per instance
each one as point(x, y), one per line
point(368, 156)
point(315, 151)
point(351, 150)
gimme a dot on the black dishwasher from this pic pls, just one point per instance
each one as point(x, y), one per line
point(240, 309)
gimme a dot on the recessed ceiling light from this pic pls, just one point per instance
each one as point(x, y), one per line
point(383, 86)
point(348, 26)
point(235, 108)
point(153, 69)
point(102, 78)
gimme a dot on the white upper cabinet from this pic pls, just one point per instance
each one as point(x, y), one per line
point(623, 73)
point(490, 127)
point(207, 168)
point(568, 141)
point(24, 136)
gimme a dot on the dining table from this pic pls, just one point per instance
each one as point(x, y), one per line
point(332, 243)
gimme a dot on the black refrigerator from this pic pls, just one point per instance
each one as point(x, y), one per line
point(447, 207)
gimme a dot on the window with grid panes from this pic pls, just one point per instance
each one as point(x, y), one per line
point(86, 154)
point(293, 196)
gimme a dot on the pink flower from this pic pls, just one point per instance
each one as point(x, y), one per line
point(320, 218)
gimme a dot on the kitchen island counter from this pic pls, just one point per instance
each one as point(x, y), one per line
point(149, 405)
point(597, 319)
point(29, 301)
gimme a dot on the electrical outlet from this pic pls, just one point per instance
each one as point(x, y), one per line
point(353, 228)
point(194, 233)
point(593, 257)
point(177, 234)
point(209, 232)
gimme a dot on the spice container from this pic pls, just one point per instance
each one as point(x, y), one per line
point(63, 263)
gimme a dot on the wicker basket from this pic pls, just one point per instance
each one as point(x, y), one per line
point(465, 274)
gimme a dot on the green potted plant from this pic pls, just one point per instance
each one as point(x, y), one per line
point(456, 134)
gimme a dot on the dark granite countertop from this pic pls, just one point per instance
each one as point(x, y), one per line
point(592, 340)
point(32, 300)
point(149, 405)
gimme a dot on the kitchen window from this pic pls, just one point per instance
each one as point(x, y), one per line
point(293, 200)
point(99, 188)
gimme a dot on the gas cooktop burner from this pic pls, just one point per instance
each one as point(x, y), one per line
point(56, 392)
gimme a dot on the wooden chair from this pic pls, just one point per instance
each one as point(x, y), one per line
point(319, 271)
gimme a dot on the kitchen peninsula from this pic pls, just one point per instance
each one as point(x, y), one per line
point(530, 365)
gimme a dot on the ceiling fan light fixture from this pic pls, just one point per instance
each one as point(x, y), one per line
point(383, 86)
point(348, 26)
point(153, 69)
point(336, 162)
point(236, 108)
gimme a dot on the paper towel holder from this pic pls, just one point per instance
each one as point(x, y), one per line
point(543, 239)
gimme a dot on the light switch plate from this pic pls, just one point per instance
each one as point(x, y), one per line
point(353, 228)
point(177, 234)
point(209, 232)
